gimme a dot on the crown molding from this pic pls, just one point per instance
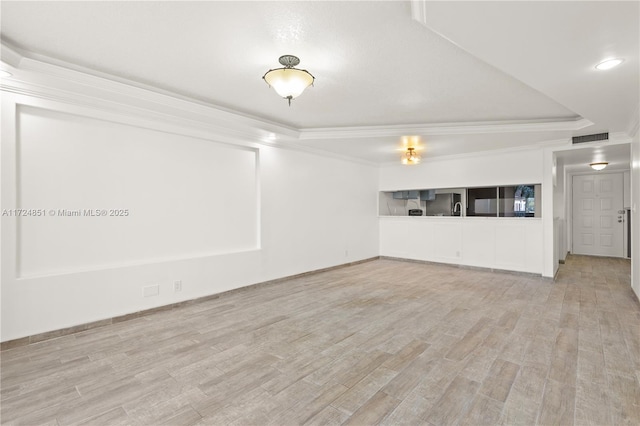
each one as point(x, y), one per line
point(11, 56)
point(41, 76)
point(52, 86)
point(564, 144)
point(475, 154)
point(87, 107)
point(95, 84)
point(462, 128)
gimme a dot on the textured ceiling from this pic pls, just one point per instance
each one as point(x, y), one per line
point(373, 64)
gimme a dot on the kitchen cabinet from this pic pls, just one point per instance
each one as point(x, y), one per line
point(428, 195)
point(406, 195)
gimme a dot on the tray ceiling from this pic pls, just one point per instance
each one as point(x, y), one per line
point(523, 70)
point(373, 64)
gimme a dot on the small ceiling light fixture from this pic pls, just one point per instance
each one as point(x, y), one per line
point(288, 82)
point(410, 156)
point(599, 165)
point(609, 63)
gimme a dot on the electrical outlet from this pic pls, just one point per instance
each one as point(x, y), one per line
point(177, 286)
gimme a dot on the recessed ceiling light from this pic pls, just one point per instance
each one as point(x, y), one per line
point(609, 63)
point(4, 73)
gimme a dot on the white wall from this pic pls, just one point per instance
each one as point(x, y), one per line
point(476, 242)
point(478, 169)
point(316, 212)
point(310, 211)
point(512, 244)
point(164, 196)
point(559, 212)
point(635, 214)
point(313, 212)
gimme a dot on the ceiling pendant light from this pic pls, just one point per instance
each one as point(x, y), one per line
point(599, 165)
point(288, 82)
point(410, 156)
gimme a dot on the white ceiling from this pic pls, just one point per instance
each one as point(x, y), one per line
point(577, 160)
point(374, 65)
point(373, 148)
point(553, 47)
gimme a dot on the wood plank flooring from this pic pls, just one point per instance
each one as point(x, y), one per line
point(383, 342)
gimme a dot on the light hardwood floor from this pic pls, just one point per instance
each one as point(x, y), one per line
point(383, 342)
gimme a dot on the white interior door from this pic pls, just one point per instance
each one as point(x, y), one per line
point(598, 227)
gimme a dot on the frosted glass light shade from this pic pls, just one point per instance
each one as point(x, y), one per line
point(599, 165)
point(288, 82)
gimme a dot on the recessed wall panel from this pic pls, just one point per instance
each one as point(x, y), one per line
point(447, 238)
point(116, 195)
point(606, 185)
point(511, 246)
point(606, 240)
point(606, 204)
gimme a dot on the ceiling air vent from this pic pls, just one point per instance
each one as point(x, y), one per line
point(591, 138)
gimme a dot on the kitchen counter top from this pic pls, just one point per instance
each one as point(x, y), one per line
point(458, 217)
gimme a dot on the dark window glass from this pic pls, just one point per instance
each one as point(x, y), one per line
point(482, 202)
point(517, 201)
